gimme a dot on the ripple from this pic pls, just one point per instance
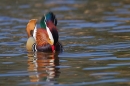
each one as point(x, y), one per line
point(109, 66)
point(61, 2)
point(122, 27)
point(82, 55)
point(4, 18)
point(122, 11)
point(10, 55)
point(106, 24)
point(19, 27)
point(63, 66)
point(109, 58)
point(120, 31)
point(17, 72)
point(104, 73)
point(111, 46)
point(102, 81)
point(5, 23)
point(91, 24)
point(115, 18)
point(10, 75)
point(33, 83)
point(119, 64)
point(127, 6)
point(11, 43)
point(71, 21)
point(62, 8)
point(7, 62)
point(98, 68)
point(24, 6)
point(4, 37)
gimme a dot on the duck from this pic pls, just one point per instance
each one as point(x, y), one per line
point(45, 38)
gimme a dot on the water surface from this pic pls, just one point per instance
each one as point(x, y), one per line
point(95, 35)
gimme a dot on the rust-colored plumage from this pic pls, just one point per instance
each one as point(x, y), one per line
point(41, 39)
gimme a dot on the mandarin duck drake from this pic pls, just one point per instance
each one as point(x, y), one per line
point(46, 38)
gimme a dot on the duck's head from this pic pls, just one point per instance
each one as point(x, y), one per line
point(48, 17)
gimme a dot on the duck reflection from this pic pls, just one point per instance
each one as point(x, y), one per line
point(42, 67)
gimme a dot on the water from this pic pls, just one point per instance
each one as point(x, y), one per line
point(95, 35)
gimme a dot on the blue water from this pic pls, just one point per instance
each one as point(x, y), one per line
point(95, 35)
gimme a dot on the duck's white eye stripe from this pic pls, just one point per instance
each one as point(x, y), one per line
point(50, 34)
point(34, 32)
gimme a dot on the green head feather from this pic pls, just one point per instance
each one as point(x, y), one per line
point(42, 23)
point(48, 17)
